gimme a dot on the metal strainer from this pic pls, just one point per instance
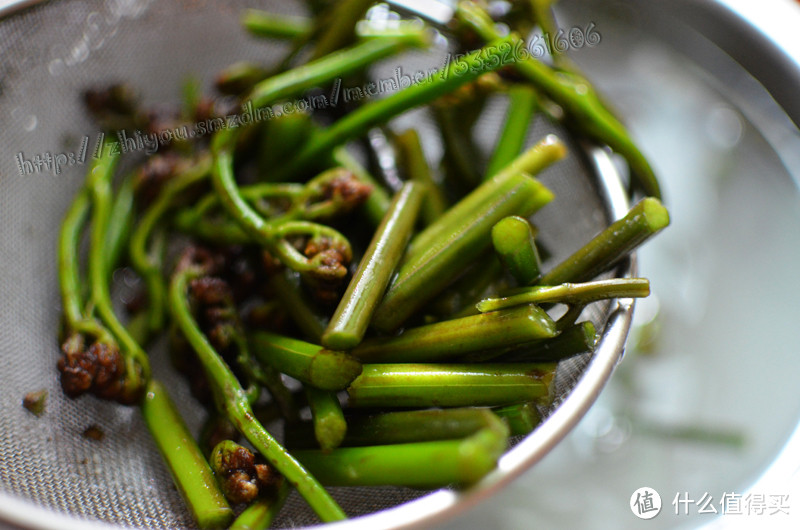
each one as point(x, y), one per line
point(53, 477)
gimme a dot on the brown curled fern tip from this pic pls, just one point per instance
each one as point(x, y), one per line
point(242, 475)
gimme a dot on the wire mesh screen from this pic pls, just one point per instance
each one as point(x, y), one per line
point(51, 53)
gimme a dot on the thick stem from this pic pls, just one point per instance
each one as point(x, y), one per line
point(461, 236)
point(513, 240)
point(451, 339)
point(355, 310)
point(449, 385)
point(309, 363)
point(521, 418)
point(418, 170)
point(417, 465)
point(260, 514)
point(642, 222)
point(575, 339)
point(330, 426)
point(189, 469)
point(404, 427)
point(547, 151)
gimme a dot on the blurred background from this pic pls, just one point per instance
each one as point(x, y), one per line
point(704, 406)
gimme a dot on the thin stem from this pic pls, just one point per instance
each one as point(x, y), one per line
point(330, 426)
point(426, 90)
point(137, 365)
point(189, 469)
point(120, 222)
point(513, 240)
point(570, 293)
point(272, 25)
point(574, 94)
point(365, 290)
point(642, 222)
point(68, 268)
point(329, 67)
point(147, 261)
point(521, 109)
point(461, 236)
point(337, 26)
point(449, 385)
point(232, 401)
point(309, 363)
point(417, 465)
point(443, 341)
point(287, 287)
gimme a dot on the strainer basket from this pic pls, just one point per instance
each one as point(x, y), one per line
point(53, 477)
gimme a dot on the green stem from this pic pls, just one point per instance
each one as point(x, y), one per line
point(404, 427)
point(147, 261)
point(120, 222)
point(232, 401)
point(137, 365)
point(513, 240)
point(189, 469)
point(574, 94)
point(521, 418)
point(287, 288)
point(418, 170)
point(643, 221)
point(575, 339)
point(461, 235)
point(417, 465)
point(354, 312)
point(450, 339)
point(449, 385)
point(274, 26)
point(337, 27)
point(280, 135)
point(377, 204)
point(570, 293)
point(68, 259)
point(325, 69)
point(547, 151)
point(426, 90)
point(260, 514)
point(309, 363)
point(330, 426)
point(521, 109)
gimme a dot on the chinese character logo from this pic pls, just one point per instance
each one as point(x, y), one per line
point(645, 503)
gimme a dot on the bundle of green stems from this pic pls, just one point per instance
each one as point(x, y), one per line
point(270, 254)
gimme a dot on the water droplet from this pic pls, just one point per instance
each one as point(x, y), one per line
point(81, 51)
point(29, 122)
point(724, 126)
point(56, 67)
